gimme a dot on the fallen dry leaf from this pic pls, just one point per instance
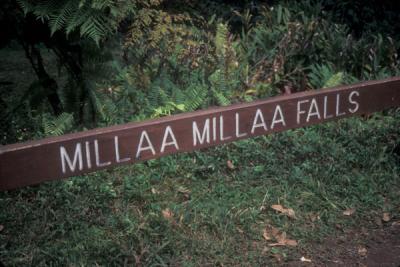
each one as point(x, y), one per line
point(167, 214)
point(267, 235)
point(287, 242)
point(183, 190)
point(287, 211)
point(281, 237)
point(277, 244)
point(362, 251)
point(349, 212)
point(314, 217)
point(291, 242)
point(270, 232)
point(283, 241)
point(386, 217)
point(230, 165)
point(304, 259)
point(154, 191)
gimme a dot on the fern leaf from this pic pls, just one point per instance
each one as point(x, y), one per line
point(59, 20)
point(104, 106)
point(196, 95)
point(221, 99)
point(334, 80)
point(59, 125)
point(94, 28)
point(221, 37)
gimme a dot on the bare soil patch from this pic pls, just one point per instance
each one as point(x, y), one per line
point(360, 247)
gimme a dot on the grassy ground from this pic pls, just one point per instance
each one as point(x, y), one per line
point(195, 210)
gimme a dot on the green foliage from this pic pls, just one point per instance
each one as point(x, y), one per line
point(104, 106)
point(218, 215)
point(168, 57)
point(168, 109)
point(93, 19)
point(323, 76)
point(177, 60)
point(55, 126)
point(286, 41)
point(222, 100)
point(195, 97)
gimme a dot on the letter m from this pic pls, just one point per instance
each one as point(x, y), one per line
point(66, 159)
point(204, 136)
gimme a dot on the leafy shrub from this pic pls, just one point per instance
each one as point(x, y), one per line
point(156, 58)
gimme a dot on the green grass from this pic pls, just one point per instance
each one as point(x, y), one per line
point(218, 214)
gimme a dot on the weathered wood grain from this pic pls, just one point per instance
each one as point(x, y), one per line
point(78, 153)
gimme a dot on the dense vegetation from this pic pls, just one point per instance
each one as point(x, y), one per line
point(69, 65)
point(104, 62)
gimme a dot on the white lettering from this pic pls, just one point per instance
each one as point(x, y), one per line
point(352, 110)
point(258, 116)
point(299, 112)
point(206, 133)
point(88, 159)
point(66, 159)
point(168, 131)
point(97, 155)
point(338, 113)
point(214, 128)
point(278, 110)
point(117, 155)
point(326, 116)
point(238, 134)
point(311, 112)
point(221, 129)
point(148, 147)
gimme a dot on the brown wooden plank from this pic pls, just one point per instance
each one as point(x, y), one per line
point(78, 153)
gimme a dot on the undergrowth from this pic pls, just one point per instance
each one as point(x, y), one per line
point(193, 210)
point(196, 209)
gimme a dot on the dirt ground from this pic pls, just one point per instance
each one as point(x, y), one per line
point(361, 247)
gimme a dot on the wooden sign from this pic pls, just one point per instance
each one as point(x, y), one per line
point(78, 153)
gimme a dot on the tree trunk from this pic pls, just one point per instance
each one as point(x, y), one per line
point(48, 83)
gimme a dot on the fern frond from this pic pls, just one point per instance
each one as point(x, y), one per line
point(167, 110)
point(44, 9)
point(221, 98)
point(58, 21)
point(59, 125)
point(334, 80)
point(77, 19)
point(323, 76)
point(195, 95)
point(221, 36)
point(26, 6)
point(153, 96)
point(104, 106)
point(95, 27)
point(102, 4)
point(92, 19)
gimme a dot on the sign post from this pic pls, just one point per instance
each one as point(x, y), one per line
point(73, 154)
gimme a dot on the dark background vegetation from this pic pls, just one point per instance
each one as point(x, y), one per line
point(70, 65)
point(88, 63)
